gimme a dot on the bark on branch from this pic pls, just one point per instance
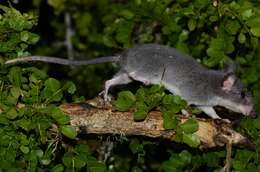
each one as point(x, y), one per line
point(95, 118)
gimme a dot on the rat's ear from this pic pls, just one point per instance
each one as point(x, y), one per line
point(228, 81)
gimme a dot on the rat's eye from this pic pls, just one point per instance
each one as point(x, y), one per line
point(242, 94)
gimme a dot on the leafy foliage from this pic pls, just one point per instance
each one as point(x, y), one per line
point(32, 126)
point(36, 135)
point(147, 99)
point(15, 36)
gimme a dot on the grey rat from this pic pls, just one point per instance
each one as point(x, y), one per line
point(177, 72)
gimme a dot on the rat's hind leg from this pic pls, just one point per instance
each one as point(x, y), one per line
point(118, 79)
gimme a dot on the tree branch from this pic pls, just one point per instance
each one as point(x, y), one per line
point(95, 118)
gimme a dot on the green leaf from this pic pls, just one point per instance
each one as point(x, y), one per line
point(45, 161)
point(14, 20)
point(125, 100)
point(109, 41)
point(15, 92)
point(192, 24)
point(123, 32)
point(34, 38)
point(155, 89)
point(170, 121)
point(71, 87)
point(257, 123)
point(3, 120)
point(178, 100)
point(140, 115)
point(59, 116)
point(241, 38)
point(254, 42)
point(153, 100)
point(23, 139)
point(173, 103)
point(58, 168)
point(67, 159)
point(126, 14)
point(254, 21)
point(52, 84)
point(15, 76)
point(78, 162)
point(255, 31)
point(216, 56)
point(232, 27)
point(251, 75)
point(136, 146)
point(69, 131)
point(36, 75)
point(185, 156)
point(246, 14)
point(219, 47)
point(177, 162)
point(190, 126)
point(10, 100)
point(141, 111)
point(168, 100)
point(83, 148)
point(94, 166)
point(24, 149)
point(42, 122)
point(167, 166)
point(39, 153)
point(11, 113)
point(24, 124)
point(191, 139)
point(212, 159)
point(140, 94)
point(24, 36)
point(52, 90)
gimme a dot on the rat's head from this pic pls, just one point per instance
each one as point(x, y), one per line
point(234, 96)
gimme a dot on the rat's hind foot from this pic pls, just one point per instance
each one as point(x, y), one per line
point(118, 79)
point(105, 96)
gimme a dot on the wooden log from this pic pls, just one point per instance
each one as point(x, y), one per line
point(95, 118)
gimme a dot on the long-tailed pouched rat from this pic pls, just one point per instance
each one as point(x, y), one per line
point(179, 73)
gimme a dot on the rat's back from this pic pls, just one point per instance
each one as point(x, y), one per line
point(152, 58)
point(179, 73)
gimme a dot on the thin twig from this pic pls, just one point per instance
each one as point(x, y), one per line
point(69, 34)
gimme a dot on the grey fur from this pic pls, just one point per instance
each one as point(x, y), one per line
point(179, 73)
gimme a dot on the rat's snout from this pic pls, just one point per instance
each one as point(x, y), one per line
point(248, 109)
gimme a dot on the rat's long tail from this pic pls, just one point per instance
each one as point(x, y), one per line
point(61, 61)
